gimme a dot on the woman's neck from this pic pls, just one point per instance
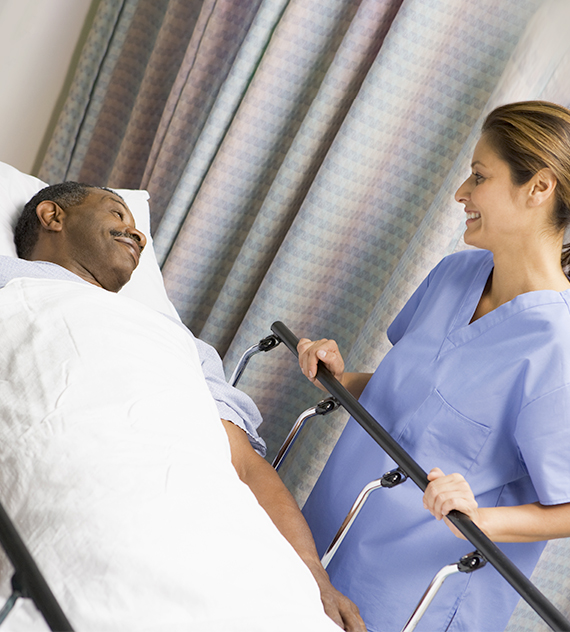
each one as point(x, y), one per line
point(511, 276)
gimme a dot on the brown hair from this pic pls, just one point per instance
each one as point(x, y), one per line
point(532, 135)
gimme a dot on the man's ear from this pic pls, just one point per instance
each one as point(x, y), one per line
point(541, 187)
point(50, 215)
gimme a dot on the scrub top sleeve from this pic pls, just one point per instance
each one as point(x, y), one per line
point(543, 437)
point(402, 321)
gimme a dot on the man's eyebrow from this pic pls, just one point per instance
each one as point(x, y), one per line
point(116, 199)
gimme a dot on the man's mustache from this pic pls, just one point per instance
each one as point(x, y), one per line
point(134, 236)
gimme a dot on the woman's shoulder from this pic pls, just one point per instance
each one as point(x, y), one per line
point(463, 264)
point(468, 258)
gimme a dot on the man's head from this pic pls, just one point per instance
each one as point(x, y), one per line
point(88, 230)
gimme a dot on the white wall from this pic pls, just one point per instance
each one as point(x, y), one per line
point(38, 40)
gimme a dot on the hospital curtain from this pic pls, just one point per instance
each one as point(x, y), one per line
point(301, 157)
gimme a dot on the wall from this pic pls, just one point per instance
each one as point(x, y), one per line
point(40, 41)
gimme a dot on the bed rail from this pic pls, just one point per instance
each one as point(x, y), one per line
point(28, 581)
point(489, 551)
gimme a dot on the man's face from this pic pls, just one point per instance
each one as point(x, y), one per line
point(102, 243)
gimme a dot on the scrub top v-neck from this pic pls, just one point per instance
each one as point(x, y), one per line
point(489, 399)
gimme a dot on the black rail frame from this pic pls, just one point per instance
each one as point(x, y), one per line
point(526, 589)
point(28, 581)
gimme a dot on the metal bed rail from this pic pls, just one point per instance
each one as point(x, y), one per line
point(485, 548)
point(28, 581)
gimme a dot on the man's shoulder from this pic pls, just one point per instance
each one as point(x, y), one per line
point(14, 268)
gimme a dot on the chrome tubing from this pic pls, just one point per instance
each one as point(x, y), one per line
point(322, 408)
point(266, 344)
point(390, 479)
point(428, 596)
point(467, 564)
point(350, 518)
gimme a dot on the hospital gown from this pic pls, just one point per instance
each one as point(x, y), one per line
point(490, 400)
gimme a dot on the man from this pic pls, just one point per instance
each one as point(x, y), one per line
point(90, 235)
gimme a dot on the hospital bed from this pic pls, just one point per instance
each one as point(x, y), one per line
point(147, 287)
point(102, 492)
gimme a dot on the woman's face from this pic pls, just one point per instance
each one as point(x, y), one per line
point(493, 204)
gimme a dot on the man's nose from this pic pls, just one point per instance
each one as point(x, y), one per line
point(138, 236)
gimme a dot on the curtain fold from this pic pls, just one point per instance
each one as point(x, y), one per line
point(301, 157)
point(264, 167)
point(110, 23)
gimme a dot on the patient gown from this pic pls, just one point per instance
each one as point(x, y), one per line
point(490, 400)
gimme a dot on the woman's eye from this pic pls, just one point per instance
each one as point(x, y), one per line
point(478, 178)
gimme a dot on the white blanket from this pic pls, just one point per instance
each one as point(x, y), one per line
point(116, 470)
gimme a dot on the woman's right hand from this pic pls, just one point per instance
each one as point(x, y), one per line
point(311, 351)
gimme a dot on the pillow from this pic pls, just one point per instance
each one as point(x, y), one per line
point(146, 284)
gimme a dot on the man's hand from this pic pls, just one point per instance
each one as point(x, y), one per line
point(338, 607)
point(281, 507)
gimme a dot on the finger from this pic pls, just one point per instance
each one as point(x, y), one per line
point(441, 488)
point(352, 620)
point(454, 529)
point(347, 612)
point(332, 611)
point(306, 362)
point(313, 351)
point(448, 493)
point(435, 473)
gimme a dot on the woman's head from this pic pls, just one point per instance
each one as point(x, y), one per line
point(530, 136)
point(522, 159)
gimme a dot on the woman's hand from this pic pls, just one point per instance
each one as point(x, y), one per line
point(310, 352)
point(445, 493)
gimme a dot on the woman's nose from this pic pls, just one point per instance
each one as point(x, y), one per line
point(462, 194)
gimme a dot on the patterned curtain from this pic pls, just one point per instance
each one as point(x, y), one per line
point(301, 157)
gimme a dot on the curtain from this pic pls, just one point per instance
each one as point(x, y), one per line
point(301, 157)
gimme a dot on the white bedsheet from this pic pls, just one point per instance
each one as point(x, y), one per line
point(116, 470)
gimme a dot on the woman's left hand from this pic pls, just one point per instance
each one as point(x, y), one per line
point(445, 493)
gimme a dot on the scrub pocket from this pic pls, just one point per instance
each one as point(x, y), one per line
point(437, 435)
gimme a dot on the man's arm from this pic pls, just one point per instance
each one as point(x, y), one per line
point(281, 507)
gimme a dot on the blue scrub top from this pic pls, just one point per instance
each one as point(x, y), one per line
point(490, 400)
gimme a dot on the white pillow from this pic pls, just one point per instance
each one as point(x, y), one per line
point(146, 284)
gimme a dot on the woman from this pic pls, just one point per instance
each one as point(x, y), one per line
point(478, 384)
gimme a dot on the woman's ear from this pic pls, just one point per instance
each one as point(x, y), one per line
point(50, 215)
point(541, 187)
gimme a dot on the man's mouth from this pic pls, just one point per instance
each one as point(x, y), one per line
point(132, 245)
